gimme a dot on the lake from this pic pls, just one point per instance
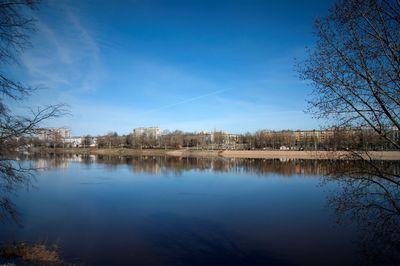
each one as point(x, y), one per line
point(190, 211)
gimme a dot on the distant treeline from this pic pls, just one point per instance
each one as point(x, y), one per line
point(334, 139)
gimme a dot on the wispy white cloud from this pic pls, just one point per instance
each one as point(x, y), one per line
point(90, 47)
point(64, 55)
point(109, 89)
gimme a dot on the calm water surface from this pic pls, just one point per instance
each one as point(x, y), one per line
point(171, 211)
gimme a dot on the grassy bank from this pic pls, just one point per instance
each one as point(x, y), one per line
point(378, 155)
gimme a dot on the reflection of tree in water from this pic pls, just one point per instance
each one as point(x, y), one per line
point(369, 190)
point(369, 193)
point(223, 165)
point(177, 166)
point(13, 176)
point(18, 173)
point(370, 197)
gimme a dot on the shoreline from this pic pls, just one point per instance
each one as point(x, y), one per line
point(253, 154)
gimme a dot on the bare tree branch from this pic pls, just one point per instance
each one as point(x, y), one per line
point(15, 27)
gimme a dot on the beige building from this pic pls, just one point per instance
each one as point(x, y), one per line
point(223, 137)
point(53, 134)
point(317, 135)
point(153, 132)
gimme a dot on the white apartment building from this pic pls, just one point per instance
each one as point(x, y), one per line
point(74, 141)
point(154, 132)
point(78, 142)
point(53, 134)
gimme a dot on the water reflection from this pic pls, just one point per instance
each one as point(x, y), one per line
point(13, 176)
point(369, 196)
point(178, 165)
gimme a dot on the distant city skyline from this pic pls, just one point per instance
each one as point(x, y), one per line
point(187, 65)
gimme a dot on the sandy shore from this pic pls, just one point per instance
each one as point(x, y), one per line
point(377, 155)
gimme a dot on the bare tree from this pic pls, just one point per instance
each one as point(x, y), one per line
point(87, 141)
point(15, 26)
point(355, 66)
point(355, 70)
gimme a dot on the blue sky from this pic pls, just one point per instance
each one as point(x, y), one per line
point(189, 65)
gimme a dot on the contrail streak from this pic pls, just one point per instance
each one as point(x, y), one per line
point(188, 100)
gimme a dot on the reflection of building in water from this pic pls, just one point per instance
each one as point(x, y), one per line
point(148, 165)
point(61, 160)
point(177, 165)
point(79, 158)
point(160, 165)
point(50, 163)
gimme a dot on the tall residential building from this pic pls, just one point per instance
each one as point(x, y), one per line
point(53, 134)
point(153, 132)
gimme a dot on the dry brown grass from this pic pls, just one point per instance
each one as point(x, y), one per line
point(37, 253)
